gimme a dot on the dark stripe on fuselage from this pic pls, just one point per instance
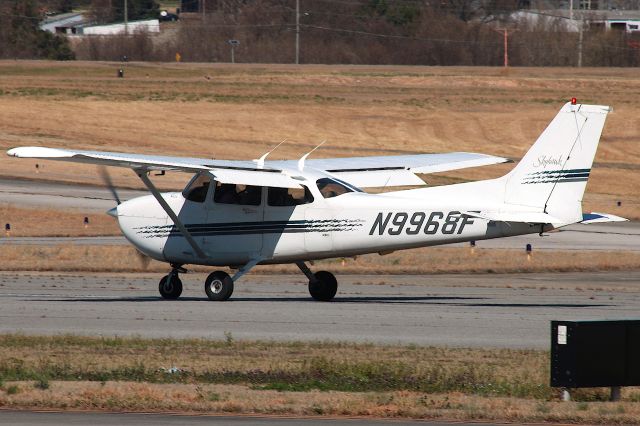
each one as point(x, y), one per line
point(245, 228)
point(253, 231)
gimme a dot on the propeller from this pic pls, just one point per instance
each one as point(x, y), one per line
point(106, 178)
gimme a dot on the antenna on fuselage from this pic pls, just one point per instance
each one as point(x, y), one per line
point(304, 157)
point(260, 161)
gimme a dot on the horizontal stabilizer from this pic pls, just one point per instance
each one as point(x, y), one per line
point(519, 217)
point(594, 217)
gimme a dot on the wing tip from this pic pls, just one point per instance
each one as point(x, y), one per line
point(38, 152)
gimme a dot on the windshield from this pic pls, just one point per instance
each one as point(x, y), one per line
point(197, 189)
point(330, 188)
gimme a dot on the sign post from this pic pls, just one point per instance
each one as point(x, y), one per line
point(233, 44)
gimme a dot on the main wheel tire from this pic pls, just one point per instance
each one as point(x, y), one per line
point(170, 289)
point(325, 287)
point(218, 286)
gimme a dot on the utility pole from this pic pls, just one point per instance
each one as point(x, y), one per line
point(571, 9)
point(203, 4)
point(126, 18)
point(580, 37)
point(506, 48)
point(297, 32)
point(505, 33)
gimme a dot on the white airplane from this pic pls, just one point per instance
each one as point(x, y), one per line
point(244, 213)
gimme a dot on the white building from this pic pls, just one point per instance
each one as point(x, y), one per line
point(619, 20)
point(80, 24)
point(133, 27)
point(65, 23)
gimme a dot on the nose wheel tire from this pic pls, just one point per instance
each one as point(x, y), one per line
point(324, 287)
point(170, 287)
point(218, 286)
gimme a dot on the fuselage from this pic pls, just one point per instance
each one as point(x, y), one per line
point(344, 225)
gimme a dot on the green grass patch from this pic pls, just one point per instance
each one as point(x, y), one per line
point(13, 390)
point(288, 366)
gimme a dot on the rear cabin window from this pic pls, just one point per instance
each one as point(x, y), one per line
point(197, 189)
point(330, 188)
point(282, 197)
point(244, 195)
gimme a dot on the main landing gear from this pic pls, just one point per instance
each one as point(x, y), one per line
point(323, 285)
point(218, 286)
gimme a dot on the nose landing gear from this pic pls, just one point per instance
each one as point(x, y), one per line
point(170, 285)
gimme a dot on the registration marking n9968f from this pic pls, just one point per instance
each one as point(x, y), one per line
point(420, 222)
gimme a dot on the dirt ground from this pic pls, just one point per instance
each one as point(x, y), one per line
point(241, 111)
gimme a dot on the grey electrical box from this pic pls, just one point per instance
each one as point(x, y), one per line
point(595, 353)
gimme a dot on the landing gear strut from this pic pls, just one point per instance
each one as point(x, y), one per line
point(170, 285)
point(323, 285)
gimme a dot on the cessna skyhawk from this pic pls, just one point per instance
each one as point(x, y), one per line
point(240, 214)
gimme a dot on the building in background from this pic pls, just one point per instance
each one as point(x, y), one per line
point(65, 23)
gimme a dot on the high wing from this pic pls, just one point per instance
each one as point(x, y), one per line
point(366, 172)
point(394, 170)
point(225, 171)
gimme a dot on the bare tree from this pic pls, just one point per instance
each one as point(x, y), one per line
point(102, 11)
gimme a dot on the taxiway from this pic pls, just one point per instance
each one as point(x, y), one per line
point(506, 310)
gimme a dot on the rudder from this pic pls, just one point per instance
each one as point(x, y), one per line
point(552, 176)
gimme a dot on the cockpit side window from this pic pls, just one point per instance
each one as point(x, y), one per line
point(282, 197)
point(245, 195)
point(330, 188)
point(197, 189)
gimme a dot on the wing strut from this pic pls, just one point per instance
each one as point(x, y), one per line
point(185, 233)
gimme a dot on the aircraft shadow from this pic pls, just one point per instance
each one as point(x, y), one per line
point(351, 299)
point(474, 302)
point(537, 305)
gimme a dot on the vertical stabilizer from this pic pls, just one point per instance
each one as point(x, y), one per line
point(552, 176)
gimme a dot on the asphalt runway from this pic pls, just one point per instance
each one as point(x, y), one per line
point(29, 418)
point(510, 310)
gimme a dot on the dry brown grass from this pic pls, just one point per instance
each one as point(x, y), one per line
point(419, 261)
point(213, 368)
point(40, 222)
point(242, 111)
point(199, 399)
